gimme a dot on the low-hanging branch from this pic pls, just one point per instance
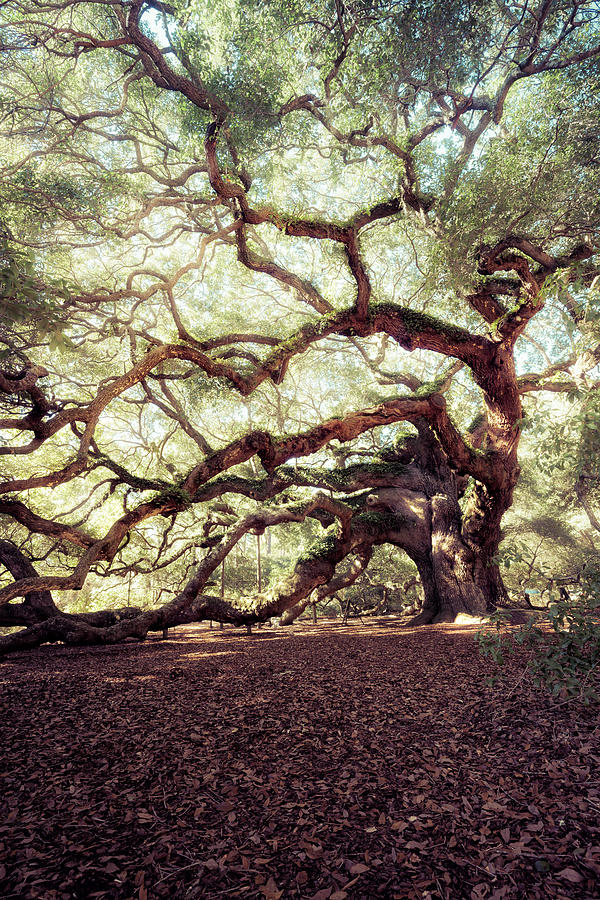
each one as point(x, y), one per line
point(407, 199)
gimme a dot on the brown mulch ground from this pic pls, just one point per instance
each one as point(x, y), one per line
point(363, 761)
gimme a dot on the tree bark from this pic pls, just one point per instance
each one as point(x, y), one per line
point(36, 606)
point(453, 550)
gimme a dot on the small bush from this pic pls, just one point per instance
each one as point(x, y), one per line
point(564, 645)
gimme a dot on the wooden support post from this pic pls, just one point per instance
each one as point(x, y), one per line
point(222, 587)
point(258, 569)
point(258, 565)
point(346, 612)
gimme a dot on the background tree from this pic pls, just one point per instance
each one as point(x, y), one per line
point(260, 230)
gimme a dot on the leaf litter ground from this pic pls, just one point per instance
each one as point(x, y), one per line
point(324, 762)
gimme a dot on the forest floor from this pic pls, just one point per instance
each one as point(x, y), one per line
point(361, 761)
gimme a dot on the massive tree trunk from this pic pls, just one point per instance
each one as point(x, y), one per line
point(467, 580)
point(446, 507)
point(455, 578)
point(421, 513)
point(454, 549)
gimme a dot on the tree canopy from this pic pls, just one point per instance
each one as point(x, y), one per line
point(305, 268)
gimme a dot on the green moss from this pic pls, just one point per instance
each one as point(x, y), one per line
point(176, 494)
point(325, 323)
point(431, 387)
point(415, 321)
point(291, 496)
point(357, 502)
point(378, 468)
point(134, 481)
point(375, 522)
point(323, 549)
point(337, 479)
point(517, 307)
point(305, 335)
point(236, 481)
point(477, 421)
point(286, 474)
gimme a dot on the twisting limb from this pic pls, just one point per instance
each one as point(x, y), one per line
point(358, 564)
point(214, 202)
point(78, 630)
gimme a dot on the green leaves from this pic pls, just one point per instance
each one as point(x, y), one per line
point(563, 644)
point(26, 298)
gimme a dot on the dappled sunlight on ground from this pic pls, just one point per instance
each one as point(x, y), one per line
point(363, 760)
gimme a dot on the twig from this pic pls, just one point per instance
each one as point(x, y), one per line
point(177, 871)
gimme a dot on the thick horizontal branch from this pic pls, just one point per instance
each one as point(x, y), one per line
point(411, 329)
point(272, 453)
point(35, 524)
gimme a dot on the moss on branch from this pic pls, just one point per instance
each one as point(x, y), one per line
point(324, 549)
point(339, 478)
point(174, 494)
point(378, 522)
point(134, 481)
point(418, 323)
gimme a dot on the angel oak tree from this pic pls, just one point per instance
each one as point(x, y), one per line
point(235, 233)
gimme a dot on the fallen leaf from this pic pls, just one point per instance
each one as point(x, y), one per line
point(358, 869)
point(270, 890)
point(111, 760)
point(571, 875)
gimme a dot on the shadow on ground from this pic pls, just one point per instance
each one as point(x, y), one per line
point(370, 760)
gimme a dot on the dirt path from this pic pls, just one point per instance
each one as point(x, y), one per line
point(323, 762)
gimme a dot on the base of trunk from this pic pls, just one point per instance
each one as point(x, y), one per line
point(456, 583)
